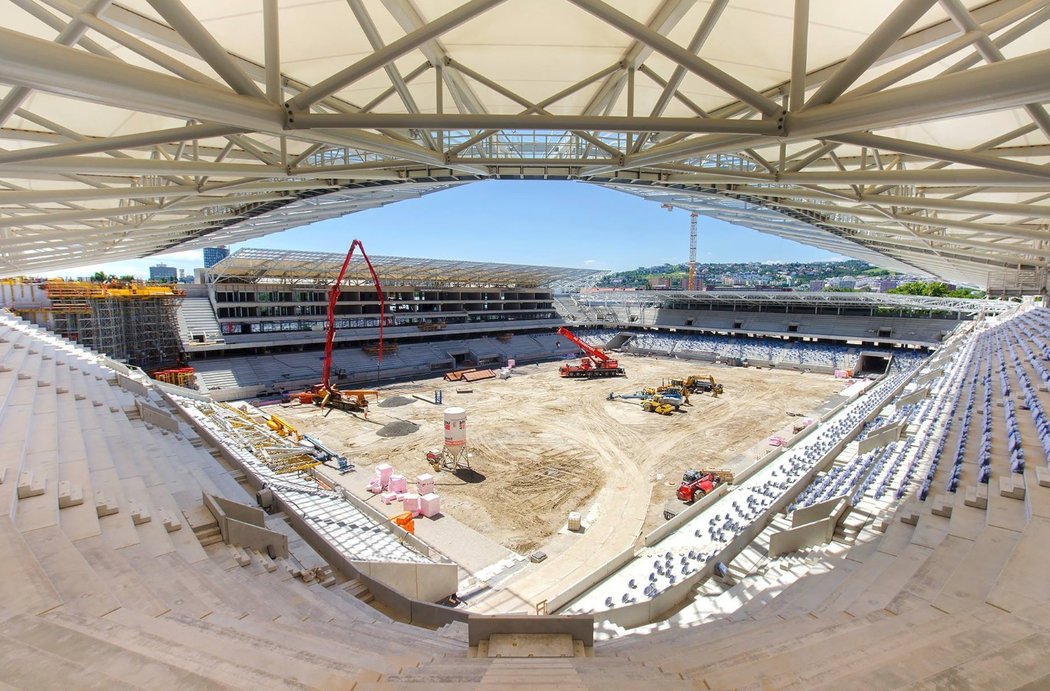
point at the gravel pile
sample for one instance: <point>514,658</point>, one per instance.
<point>399,428</point>
<point>395,402</point>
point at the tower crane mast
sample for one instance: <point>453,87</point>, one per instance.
<point>690,283</point>
<point>692,250</point>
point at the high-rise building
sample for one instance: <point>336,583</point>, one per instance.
<point>214,255</point>
<point>163,272</point>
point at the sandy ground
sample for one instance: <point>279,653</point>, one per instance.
<point>544,446</point>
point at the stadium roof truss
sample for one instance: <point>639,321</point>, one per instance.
<point>726,299</point>
<point>911,134</point>
<point>284,266</point>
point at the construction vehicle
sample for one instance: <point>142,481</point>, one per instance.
<point>596,364</point>
<point>699,383</point>
<point>654,405</point>
<point>325,394</point>
<point>350,400</point>
<point>325,455</point>
<point>654,400</point>
<point>698,483</point>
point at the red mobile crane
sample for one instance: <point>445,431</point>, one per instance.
<point>326,394</point>
<point>598,364</point>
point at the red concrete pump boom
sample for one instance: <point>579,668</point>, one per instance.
<point>333,297</point>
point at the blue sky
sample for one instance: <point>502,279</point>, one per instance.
<point>526,222</point>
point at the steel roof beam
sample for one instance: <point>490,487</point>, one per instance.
<point>366,24</point>
<point>908,44</point>
<point>31,62</point>
<point>707,25</point>
<point>676,53</point>
<point>991,54</point>
<point>994,87</point>
<point>665,18</point>
<point>128,141</point>
<point>391,52</point>
<point>205,45</point>
<point>68,36</point>
<point>602,123</point>
<point>940,153</point>
<point>406,14</point>
<point>874,46</point>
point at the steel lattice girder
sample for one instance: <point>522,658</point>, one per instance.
<point>924,146</point>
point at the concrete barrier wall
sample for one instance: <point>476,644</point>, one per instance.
<point>247,529</point>
<point>118,367</point>
<point>166,389</point>
<point>806,535</point>
<point>881,437</point>
<point>438,577</point>
<point>815,512</point>
<point>423,582</point>
<point>817,532</point>
<point>254,537</point>
<point>928,377</point>
<point>590,580</point>
<point>915,396</point>
<point>157,417</point>
<point>685,516</point>
<point>128,384</point>
<point>758,465</point>
<point>481,627</point>
<point>251,515</point>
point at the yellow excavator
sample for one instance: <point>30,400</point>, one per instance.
<point>699,383</point>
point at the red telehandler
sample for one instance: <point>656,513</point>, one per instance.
<point>325,394</point>
<point>597,364</point>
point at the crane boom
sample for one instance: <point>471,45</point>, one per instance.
<point>593,352</point>
<point>333,297</point>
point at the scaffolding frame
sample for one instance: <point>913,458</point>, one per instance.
<point>130,322</point>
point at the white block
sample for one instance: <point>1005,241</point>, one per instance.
<point>411,503</point>
<point>398,483</point>
<point>430,505</point>
<point>387,497</point>
<point>383,472</point>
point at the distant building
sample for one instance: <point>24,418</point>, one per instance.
<point>163,272</point>
<point>214,255</point>
<point>659,284</point>
<point>888,284</point>
<point>843,282</point>
<point>817,285</point>
<point>198,275</point>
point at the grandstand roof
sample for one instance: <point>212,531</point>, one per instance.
<point>260,264</point>
<point>912,134</point>
<point>809,299</point>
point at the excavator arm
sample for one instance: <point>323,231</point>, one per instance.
<point>593,352</point>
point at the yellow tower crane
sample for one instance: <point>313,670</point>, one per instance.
<point>690,283</point>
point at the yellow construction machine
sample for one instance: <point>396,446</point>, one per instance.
<point>656,405</point>
<point>699,383</point>
<point>282,428</point>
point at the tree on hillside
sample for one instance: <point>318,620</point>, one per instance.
<point>935,289</point>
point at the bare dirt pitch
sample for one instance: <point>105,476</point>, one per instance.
<point>546,445</point>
